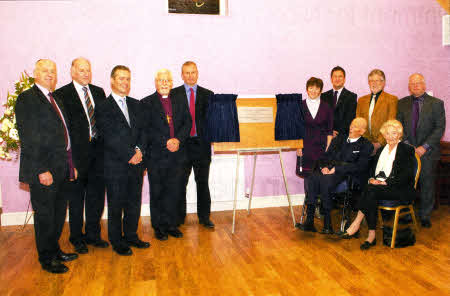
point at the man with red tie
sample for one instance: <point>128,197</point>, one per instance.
<point>198,150</point>
<point>46,163</point>
<point>166,128</point>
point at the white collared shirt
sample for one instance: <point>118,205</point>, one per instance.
<point>118,98</point>
<point>386,161</point>
<point>45,92</point>
<point>338,94</point>
<point>80,91</point>
<point>350,140</point>
<point>313,106</point>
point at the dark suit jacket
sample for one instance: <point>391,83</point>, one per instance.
<point>385,109</point>
<point>157,131</point>
<point>120,139</point>
<point>201,108</point>
<point>403,170</point>
<point>79,125</point>
<point>431,125</point>
<point>41,132</point>
<point>345,110</point>
<point>349,159</point>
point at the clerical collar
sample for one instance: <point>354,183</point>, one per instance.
<point>350,140</point>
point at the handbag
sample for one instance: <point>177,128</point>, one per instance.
<point>405,237</point>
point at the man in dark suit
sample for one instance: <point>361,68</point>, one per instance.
<point>119,123</point>
<point>167,126</point>
<point>198,151</point>
<point>346,156</point>
<point>80,99</point>
<point>45,163</point>
<point>423,120</point>
<point>341,100</point>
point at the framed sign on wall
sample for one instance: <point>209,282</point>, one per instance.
<point>214,7</point>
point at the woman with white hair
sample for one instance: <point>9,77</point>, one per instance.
<point>392,178</point>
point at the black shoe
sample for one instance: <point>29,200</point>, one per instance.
<point>328,230</point>
<point>426,223</point>
<point>138,244</point>
<point>307,227</point>
<point>175,232</point>
<point>345,235</point>
<point>161,235</point>
<point>64,257</point>
<point>98,243</point>
<point>122,250</point>
<point>54,266</point>
<point>80,247</point>
<point>207,224</point>
<point>367,245</point>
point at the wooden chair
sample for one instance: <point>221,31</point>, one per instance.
<point>398,208</point>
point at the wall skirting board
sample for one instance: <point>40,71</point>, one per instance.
<point>18,218</point>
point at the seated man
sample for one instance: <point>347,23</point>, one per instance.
<point>346,156</point>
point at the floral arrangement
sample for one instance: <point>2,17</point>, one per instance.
<point>9,137</point>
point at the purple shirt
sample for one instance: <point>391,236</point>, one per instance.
<point>167,106</point>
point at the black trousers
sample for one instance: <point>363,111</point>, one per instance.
<point>323,185</point>
<point>368,203</point>
<point>49,205</point>
<point>87,194</point>
<point>165,193</point>
<point>199,159</point>
<point>427,186</point>
<point>124,198</point>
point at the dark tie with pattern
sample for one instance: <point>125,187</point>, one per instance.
<point>90,109</point>
<point>192,110</point>
<point>335,98</point>
<point>415,116</point>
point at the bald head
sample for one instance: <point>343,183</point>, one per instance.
<point>81,71</point>
<point>358,127</point>
<point>417,84</point>
<point>45,74</point>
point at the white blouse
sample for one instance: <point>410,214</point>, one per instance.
<point>313,106</point>
<point>385,161</point>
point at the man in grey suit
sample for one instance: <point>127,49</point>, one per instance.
<point>423,120</point>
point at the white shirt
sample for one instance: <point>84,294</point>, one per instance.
<point>338,94</point>
<point>386,160</point>
<point>80,91</point>
<point>313,106</point>
<point>350,140</point>
<point>118,98</point>
<point>45,92</point>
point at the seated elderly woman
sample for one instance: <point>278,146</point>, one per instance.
<point>346,156</point>
<point>391,178</point>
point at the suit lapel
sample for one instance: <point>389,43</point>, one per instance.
<point>379,104</point>
<point>426,109</point>
<point>118,111</point>
<point>341,98</point>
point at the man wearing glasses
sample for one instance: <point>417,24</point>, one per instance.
<point>166,128</point>
<point>376,107</point>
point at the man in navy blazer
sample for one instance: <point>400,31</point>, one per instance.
<point>119,122</point>
<point>346,156</point>
<point>167,126</point>
<point>46,162</point>
<point>198,150</point>
<point>423,120</point>
<point>341,100</point>
<point>80,99</point>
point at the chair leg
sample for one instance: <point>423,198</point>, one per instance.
<point>380,219</point>
<point>413,216</point>
<point>394,229</point>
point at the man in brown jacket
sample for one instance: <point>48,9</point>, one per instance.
<point>376,107</point>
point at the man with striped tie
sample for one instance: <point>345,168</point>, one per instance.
<point>80,98</point>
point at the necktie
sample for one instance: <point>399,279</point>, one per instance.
<point>335,98</point>
<point>90,109</point>
<point>371,107</point>
<point>52,101</point>
<point>415,116</point>
<point>123,106</point>
<point>192,110</point>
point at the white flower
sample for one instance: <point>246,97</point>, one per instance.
<point>1,141</point>
<point>8,111</point>
<point>13,134</point>
<point>5,126</point>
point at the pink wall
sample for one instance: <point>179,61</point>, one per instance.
<point>262,47</point>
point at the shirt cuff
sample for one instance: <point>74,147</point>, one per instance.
<point>426,146</point>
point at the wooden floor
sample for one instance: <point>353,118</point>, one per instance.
<point>266,256</point>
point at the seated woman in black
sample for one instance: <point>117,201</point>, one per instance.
<point>392,178</point>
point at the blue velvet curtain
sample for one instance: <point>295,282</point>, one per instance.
<point>289,122</point>
<point>222,124</point>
